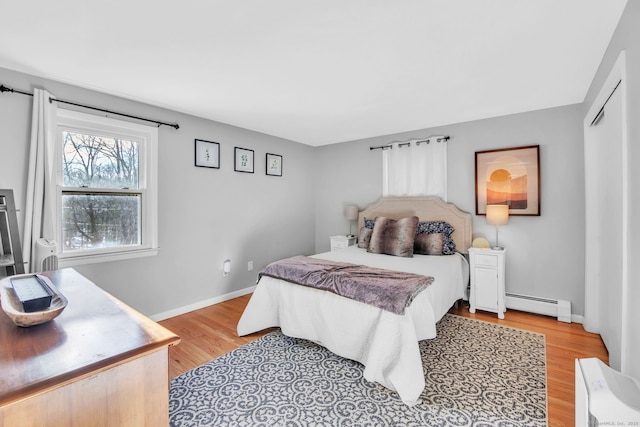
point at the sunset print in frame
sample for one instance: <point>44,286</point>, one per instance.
<point>509,176</point>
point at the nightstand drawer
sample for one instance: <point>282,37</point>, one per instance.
<point>342,242</point>
<point>339,244</point>
<point>486,260</point>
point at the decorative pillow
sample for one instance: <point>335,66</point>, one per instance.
<point>393,237</point>
<point>369,223</point>
<point>428,244</point>
<point>364,237</point>
<point>431,227</point>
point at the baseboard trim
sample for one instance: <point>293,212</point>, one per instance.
<point>577,318</point>
<point>561,309</point>
<point>201,304</point>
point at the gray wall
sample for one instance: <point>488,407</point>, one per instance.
<point>209,215</point>
<point>545,254</point>
<point>205,215</point>
<point>627,37</point>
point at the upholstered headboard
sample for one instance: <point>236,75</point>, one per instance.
<point>429,208</point>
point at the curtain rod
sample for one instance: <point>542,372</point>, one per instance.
<point>383,147</point>
<point>437,138</point>
<point>4,88</point>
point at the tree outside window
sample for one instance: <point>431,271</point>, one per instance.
<point>101,201</point>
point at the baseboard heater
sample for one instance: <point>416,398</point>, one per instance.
<point>549,307</point>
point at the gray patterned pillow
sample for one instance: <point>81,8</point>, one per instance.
<point>364,237</point>
<point>430,227</point>
<point>428,244</point>
<point>393,237</point>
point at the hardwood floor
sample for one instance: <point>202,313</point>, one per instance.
<point>211,332</point>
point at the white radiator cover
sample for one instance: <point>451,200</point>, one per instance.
<point>46,256</point>
<point>548,307</point>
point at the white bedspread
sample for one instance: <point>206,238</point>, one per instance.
<point>384,342</point>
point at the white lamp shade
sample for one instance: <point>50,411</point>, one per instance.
<point>351,212</point>
<point>497,214</point>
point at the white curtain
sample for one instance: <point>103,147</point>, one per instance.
<point>40,202</point>
<point>415,170</point>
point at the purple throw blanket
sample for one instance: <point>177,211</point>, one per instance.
<point>386,289</point>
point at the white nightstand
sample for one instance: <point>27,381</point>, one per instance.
<point>341,242</point>
<point>487,280</point>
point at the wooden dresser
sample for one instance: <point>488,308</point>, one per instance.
<point>99,363</point>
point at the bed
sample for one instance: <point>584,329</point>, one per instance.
<point>384,342</point>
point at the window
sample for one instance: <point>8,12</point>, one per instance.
<point>106,189</point>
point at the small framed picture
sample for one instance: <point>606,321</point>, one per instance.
<point>274,164</point>
<point>243,158</point>
<point>207,154</point>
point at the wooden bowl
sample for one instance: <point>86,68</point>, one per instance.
<point>13,308</point>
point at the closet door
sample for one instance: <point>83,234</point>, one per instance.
<point>606,217</point>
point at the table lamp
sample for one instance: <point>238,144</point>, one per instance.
<point>497,215</point>
<point>351,214</point>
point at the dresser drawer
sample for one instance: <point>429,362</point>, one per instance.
<point>486,260</point>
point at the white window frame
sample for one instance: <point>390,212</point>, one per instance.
<point>147,136</point>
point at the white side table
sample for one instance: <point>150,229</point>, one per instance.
<point>341,242</point>
<point>487,269</point>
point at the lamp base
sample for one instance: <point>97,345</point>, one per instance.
<point>497,246</point>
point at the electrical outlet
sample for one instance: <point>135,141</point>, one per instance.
<point>250,266</point>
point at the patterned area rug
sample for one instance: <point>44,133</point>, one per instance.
<point>477,374</point>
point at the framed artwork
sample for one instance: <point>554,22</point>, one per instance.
<point>274,164</point>
<point>509,176</point>
<point>207,154</point>
<point>243,159</point>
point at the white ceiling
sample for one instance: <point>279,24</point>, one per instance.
<point>320,71</point>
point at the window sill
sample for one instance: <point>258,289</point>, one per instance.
<point>106,257</point>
